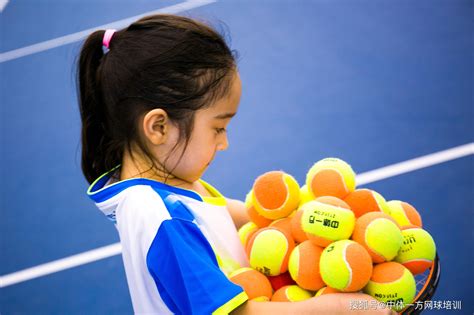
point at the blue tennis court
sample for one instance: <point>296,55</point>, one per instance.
<point>376,83</point>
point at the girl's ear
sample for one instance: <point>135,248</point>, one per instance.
<point>156,126</point>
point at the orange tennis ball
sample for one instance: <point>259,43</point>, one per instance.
<point>291,293</point>
<point>404,213</point>
<point>255,284</point>
<point>254,216</point>
<point>304,266</point>
<point>364,200</point>
<point>284,224</point>
<point>257,218</point>
<point>275,195</point>
<point>346,266</point>
<point>379,234</point>
<point>296,229</point>
<point>326,290</point>
<point>327,219</point>
<point>330,177</point>
<point>269,250</point>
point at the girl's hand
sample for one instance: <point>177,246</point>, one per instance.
<point>351,303</point>
<point>238,212</point>
<point>334,304</point>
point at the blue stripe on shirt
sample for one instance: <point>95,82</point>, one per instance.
<point>186,271</point>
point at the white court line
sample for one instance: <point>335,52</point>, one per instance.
<point>71,38</point>
<point>61,264</point>
<point>115,249</point>
<point>3,4</point>
<point>415,164</point>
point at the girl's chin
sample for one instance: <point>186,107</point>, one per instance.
<point>198,175</point>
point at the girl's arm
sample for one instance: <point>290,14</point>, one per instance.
<point>334,304</point>
<point>238,212</point>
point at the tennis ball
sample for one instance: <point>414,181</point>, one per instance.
<point>254,216</point>
<point>275,195</point>
<point>296,228</point>
<point>327,219</point>
<point>404,213</point>
<point>284,224</point>
<point>379,234</point>
<point>346,266</point>
<point>248,199</point>
<point>326,290</point>
<point>330,177</point>
<point>305,195</point>
<point>255,284</point>
<point>281,280</point>
<point>291,293</point>
<point>269,250</point>
<point>304,266</point>
<point>418,250</point>
<point>364,200</point>
<point>246,231</point>
<point>392,284</point>
<point>258,219</point>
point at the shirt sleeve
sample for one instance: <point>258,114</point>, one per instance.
<point>186,273</point>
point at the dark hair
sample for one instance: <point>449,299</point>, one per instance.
<point>160,61</point>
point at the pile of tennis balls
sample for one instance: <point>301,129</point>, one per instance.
<point>330,237</point>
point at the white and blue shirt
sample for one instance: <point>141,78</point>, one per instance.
<point>177,246</point>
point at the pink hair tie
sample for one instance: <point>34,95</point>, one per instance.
<point>107,38</point>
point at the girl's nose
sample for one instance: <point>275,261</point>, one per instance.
<point>223,144</point>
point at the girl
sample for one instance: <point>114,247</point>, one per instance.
<point>155,101</point>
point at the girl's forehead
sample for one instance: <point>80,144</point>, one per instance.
<point>227,106</point>
<point>235,92</point>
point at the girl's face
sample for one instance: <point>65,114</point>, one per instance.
<point>208,136</point>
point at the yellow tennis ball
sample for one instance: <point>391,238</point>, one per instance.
<point>327,219</point>
<point>248,199</point>
<point>291,293</point>
<point>346,266</point>
<point>305,195</point>
<point>418,250</point>
<point>255,284</point>
<point>404,213</point>
<point>379,234</point>
<point>246,231</point>
<point>392,284</point>
<point>331,177</point>
<point>269,250</point>
<point>275,195</point>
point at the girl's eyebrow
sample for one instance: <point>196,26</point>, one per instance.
<point>224,116</point>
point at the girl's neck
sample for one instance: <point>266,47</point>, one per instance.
<point>137,168</point>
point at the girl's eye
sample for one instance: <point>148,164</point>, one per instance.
<point>220,130</point>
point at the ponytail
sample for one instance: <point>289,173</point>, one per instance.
<point>94,136</point>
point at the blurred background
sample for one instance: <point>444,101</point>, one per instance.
<point>375,83</point>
